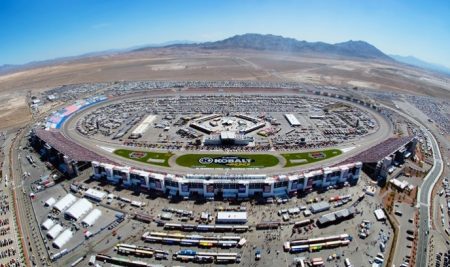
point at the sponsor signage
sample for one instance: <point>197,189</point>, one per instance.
<point>231,161</point>
<point>210,189</point>
<point>242,188</point>
<point>294,185</point>
<point>184,188</point>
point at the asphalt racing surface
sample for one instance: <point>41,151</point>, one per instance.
<point>68,130</point>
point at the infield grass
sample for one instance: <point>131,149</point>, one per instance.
<point>154,158</point>
<point>297,159</point>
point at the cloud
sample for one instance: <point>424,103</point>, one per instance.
<point>100,26</point>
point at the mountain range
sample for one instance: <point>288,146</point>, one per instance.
<point>267,42</point>
<point>410,60</point>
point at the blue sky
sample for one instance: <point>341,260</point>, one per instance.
<point>44,29</point>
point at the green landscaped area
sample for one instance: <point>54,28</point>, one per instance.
<point>302,158</point>
<point>227,161</point>
<point>153,158</point>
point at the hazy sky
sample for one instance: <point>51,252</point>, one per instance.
<point>43,29</point>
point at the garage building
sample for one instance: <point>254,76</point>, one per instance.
<point>319,207</point>
<point>94,194</point>
<point>379,214</point>
<point>232,217</point>
<point>293,121</point>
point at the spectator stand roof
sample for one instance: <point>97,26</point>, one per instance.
<point>382,150</point>
<point>70,149</point>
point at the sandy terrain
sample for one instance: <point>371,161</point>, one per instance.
<point>184,64</point>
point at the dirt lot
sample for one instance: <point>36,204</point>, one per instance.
<point>188,64</point>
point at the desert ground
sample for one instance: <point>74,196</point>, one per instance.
<point>196,64</point>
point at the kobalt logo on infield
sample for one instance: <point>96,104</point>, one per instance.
<point>206,160</point>
<point>234,161</point>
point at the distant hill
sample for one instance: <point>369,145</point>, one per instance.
<point>410,60</point>
<point>9,68</point>
<point>262,42</point>
<point>269,42</point>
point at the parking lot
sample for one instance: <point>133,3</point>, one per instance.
<point>269,243</point>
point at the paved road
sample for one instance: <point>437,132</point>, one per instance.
<point>5,185</point>
<point>425,201</point>
<point>33,243</point>
<point>424,193</point>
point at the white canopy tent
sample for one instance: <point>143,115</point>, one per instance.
<point>63,239</point>
<point>54,231</point>
<point>65,202</point>
<point>81,207</point>
<point>91,218</point>
<point>47,224</point>
<point>50,202</point>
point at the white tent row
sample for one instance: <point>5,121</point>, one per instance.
<point>54,231</point>
<point>65,202</point>
<point>63,239</point>
<point>47,224</point>
<point>90,219</point>
<point>81,207</point>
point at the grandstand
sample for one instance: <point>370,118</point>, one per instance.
<point>230,186</point>
<point>59,117</point>
<point>67,156</point>
<point>378,159</point>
